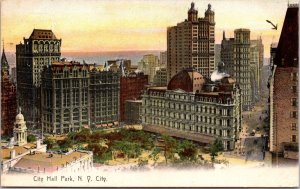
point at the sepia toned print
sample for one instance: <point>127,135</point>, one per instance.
<point>149,93</point>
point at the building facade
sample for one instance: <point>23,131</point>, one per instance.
<point>75,95</point>
<point>149,65</point>
<point>160,78</point>
<point>242,72</point>
<point>191,44</point>
<point>284,128</point>
<point>104,91</point>
<point>163,59</point>
<point>8,99</point>
<point>131,87</point>
<point>257,58</point>
<point>193,108</point>
<point>65,97</point>
<point>40,49</point>
<point>227,54</point>
<point>133,111</point>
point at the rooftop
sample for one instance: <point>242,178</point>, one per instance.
<point>188,80</point>
<point>42,34</point>
<point>5,152</point>
<point>42,161</point>
<point>288,46</point>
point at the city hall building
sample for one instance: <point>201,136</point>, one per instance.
<point>194,108</point>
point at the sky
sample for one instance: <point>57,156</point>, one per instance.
<point>125,25</point>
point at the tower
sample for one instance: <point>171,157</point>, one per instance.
<point>4,64</point>
<point>40,49</point>
<point>191,44</point>
<point>20,130</point>
<point>242,71</point>
<point>8,99</point>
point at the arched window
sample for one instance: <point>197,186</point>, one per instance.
<point>41,47</point>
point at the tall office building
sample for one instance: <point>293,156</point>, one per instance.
<point>65,97</point>
<point>74,96</point>
<point>227,56</point>
<point>191,44</point>
<point>284,128</point>
<point>217,53</point>
<point>242,72</point>
<point>104,91</point>
<point>257,59</point>
<point>8,99</point>
<point>40,49</point>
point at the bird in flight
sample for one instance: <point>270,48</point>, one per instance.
<point>274,27</point>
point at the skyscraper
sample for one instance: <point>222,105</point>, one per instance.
<point>65,97</point>
<point>227,57</point>
<point>41,48</point>
<point>242,72</point>
<point>257,61</point>
<point>191,44</point>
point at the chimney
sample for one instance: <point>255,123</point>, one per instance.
<point>12,154</point>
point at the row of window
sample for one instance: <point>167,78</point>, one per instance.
<point>46,48</point>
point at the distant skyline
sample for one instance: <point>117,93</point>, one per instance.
<point>112,25</point>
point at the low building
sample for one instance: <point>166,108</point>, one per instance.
<point>133,111</point>
<point>40,162</point>
<point>194,108</point>
<point>131,87</point>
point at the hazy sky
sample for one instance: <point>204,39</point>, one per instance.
<point>114,25</point>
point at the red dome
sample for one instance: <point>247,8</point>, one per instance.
<point>188,80</point>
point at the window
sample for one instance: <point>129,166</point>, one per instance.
<point>294,76</point>
<point>294,114</point>
<point>294,89</point>
<point>294,138</point>
<point>294,102</point>
<point>294,127</point>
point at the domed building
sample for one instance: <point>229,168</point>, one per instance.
<point>188,80</point>
<point>20,130</point>
<point>195,108</point>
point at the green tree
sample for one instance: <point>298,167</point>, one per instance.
<point>83,136</point>
<point>169,147</point>
<point>66,144</point>
<point>50,143</point>
<point>130,149</point>
<point>31,138</point>
<point>216,147</point>
<point>187,150</point>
